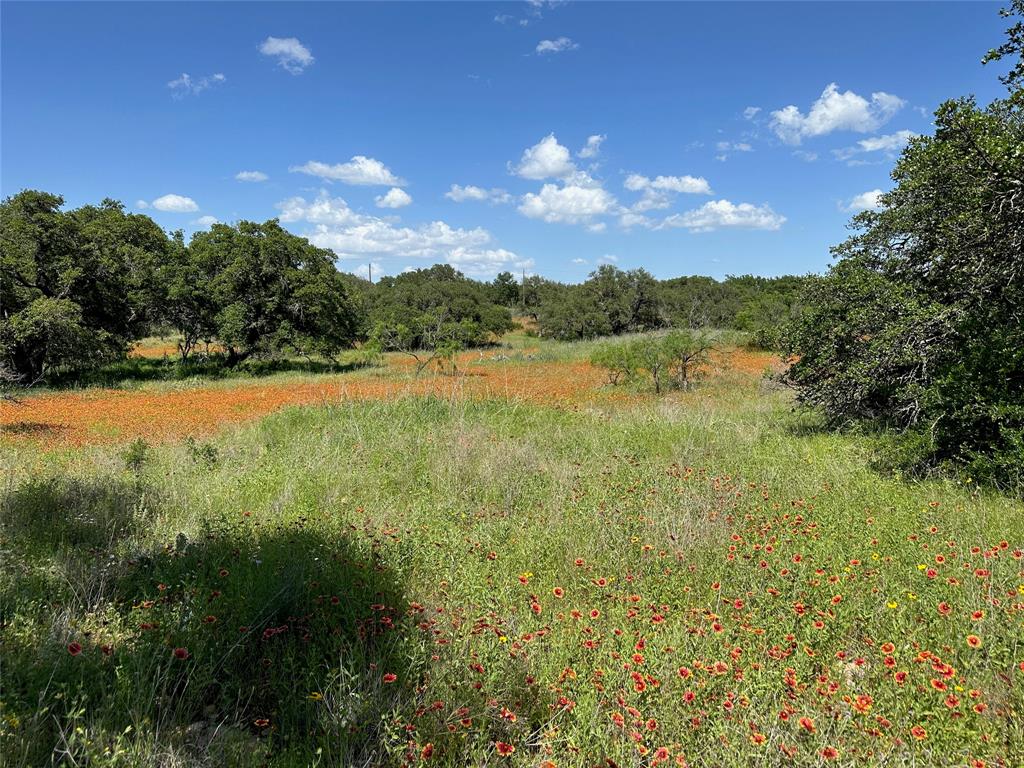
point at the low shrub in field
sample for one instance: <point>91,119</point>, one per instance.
<point>672,360</point>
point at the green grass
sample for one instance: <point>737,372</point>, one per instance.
<point>414,539</point>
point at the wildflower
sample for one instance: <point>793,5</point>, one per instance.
<point>918,732</point>
<point>389,677</point>
<point>427,752</point>
<point>316,696</point>
<point>74,648</point>
<point>558,592</point>
<point>974,641</point>
<point>261,722</point>
<point>807,724</point>
<point>180,653</point>
<point>504,749</point>
<point>830,753</point>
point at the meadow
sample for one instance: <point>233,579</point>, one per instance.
<point>515,565</point>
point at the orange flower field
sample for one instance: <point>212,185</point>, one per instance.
<point>78,418</point>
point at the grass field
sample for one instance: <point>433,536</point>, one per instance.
<point>517,566</point>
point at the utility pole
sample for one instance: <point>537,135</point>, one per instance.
<point>369,271</point>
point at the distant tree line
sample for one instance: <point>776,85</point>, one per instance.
<point>80,286</point>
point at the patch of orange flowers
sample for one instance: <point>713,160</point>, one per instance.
<point>114,416</point>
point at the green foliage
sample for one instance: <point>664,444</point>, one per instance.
<point>672,359</point>
<point>75,286</point>
<point>137,455</point>
<point>268,292</point>
<point>919,324</point>
<point>421,309</point>
<point>613,302</point>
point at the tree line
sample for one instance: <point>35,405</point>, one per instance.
<point>80,286</point>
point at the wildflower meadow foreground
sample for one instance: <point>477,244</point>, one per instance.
<point>485,578</point>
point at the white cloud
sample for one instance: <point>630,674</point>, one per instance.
<point>807,157</point>
<point>186,85</point>
<point>206,221</point>
<point>579,261</point>
<point>835,111</point>
<point>593,146</point>
<point>719,214</point>
<point>693,185</point>
<point>733,146</point>
<point>395,198</point>
<point>608,258</point>
<point>751,112</point>
<point>141,204</point>
<point>354,235</point>
<point>175,204</point>
<point>569,204</point>
<point>460,194</point>
<point>865,201</point>
<point>251,176</point>
<point>545,159</point>
<point>890,144</point>
<point>629,219</point>
<point>291,55</point>
<point>359,170</point>
<point>485,262</point>
<point>557,45</point>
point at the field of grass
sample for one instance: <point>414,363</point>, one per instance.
<point>513,567</point>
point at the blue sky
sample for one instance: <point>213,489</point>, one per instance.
<point>686,138</point>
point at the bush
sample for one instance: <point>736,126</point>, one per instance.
<point>917,327</point>
<point>672,360</point>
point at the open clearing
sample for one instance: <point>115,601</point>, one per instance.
<point>162,412</point>
<point>517,566</point>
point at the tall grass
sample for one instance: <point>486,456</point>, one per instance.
<point>396,569</point>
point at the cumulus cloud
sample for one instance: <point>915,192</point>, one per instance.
<point>355,235</point>
<point>186,85</point>
<point>865,201</point>
<point>722,214</point>
<point>630,219</point>
<point>395,198</point>
<point>558,45</point>
<point>835,111</point>
<point>608,258</point>
<point>568,204</point>
<point>175,204</point>
<point>751,112</point>
<point>579,261</point>
<point>206,221</point>
<point>545,159</point>
<point>486,262</point>
<point>360,170</point>
<point>693,185</point>
<point>657,194</point>
<point>593,147</point>
<point>461,194</point>
<point>291,55</point>
<point>890,144</point>
<point>251,176</point>
<point>141,204</point>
